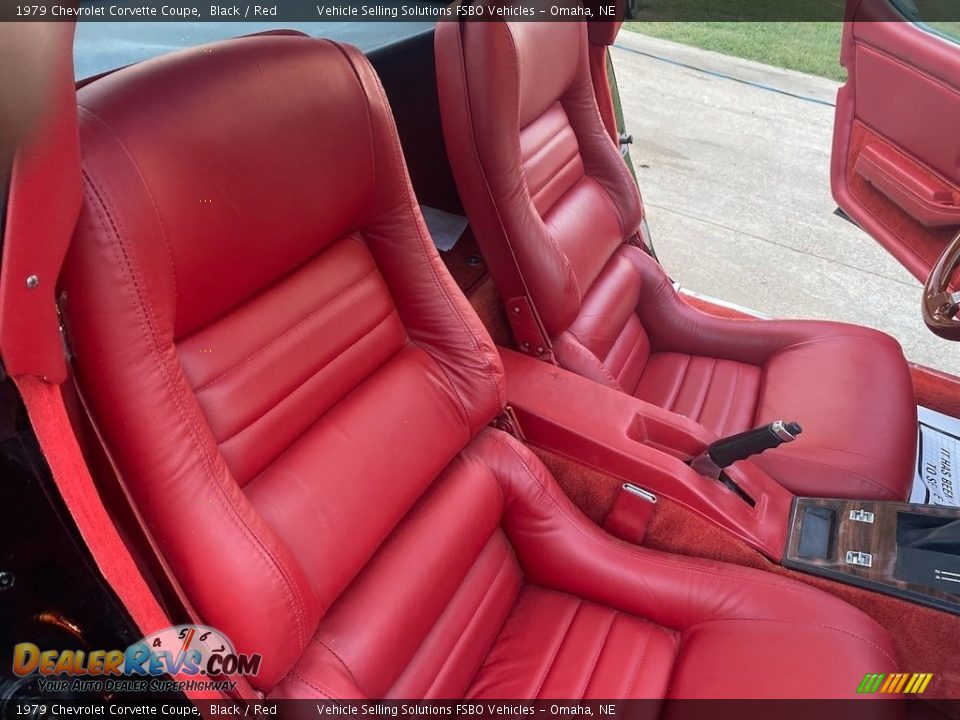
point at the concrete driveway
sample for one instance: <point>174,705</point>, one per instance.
<point>733,159</point>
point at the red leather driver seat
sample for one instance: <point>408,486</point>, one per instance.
<point>542,182</point>
<point>298,397</point>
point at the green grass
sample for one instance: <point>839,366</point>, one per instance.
<point>949,29</point>
<point>810,47</point>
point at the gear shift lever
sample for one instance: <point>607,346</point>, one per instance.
<point>726,451</point>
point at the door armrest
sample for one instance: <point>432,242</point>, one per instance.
<point>928,199</point>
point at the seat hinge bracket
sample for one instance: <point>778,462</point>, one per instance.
<point>529,333</point>
<point>508,423</point>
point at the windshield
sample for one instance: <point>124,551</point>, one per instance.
<point>102,46</point>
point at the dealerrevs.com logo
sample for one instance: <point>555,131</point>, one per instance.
<point>200,653</point>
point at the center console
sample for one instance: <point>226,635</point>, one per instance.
<point>646,446</point>
<point>909,551</point>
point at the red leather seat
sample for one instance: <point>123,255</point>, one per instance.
<point>542,182</point>
<point>298,397</point>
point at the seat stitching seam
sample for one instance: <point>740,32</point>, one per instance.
<point>556,653</point>
<point>613,153</point>
<point>702,400</point>
<point>549,141</point>
<point>675,393</point>
<point>879,338</point>
<point>153,201</point>
<point>312,375</point>
<point>728,406</point>
<point>613,206</point>
<point>240,363</point>
<point>300,677</point>
<point>339,659</point>
<point>798,622</point>
<point>630,355</point>
<point>460,640</point>
<point>468,453</point>
<point>854,473</point>
<point>639,663</point>
<point>590,356</point>
<point>369,118</point>
<point>599,653</point>
<point>525,162</point>
<point>535,195</point>
<point>144,310</point>
<point>446,376</point>
<point>290,442</point>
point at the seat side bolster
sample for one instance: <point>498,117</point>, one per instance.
<point>436,314</point>
<point>675,325</point>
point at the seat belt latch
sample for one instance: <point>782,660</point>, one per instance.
<point>631,513</point>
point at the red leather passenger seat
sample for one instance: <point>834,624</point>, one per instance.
<point>298,397</point>
<point>542,182</point>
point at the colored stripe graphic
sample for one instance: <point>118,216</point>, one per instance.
<point>918,683</point>
<point>895,683</point>
<point>891,682</point>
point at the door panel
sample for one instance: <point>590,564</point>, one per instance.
<point>896,152</point>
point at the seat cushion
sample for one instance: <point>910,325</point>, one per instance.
<point>850,389</point>
<point>719,394</point>
<point>847,433</point>
<point>556,645</point>
<point>848,386</point>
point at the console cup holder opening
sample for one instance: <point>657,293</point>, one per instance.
<point>665,436</point>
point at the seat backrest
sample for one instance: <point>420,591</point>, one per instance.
<point>538,174</point>
<point>277,359</point>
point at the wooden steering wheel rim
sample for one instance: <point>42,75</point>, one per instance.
<point>941,306</point>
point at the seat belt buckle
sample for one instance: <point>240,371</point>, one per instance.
<point>631,513</point>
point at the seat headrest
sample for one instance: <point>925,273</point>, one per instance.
<point>549,55</point>
<point>249,156</point>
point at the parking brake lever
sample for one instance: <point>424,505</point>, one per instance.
<point>726,451</point>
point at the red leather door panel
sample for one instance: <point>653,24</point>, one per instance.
<point>896,151</point>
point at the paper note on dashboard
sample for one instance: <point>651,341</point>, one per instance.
<point>936,481</point>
